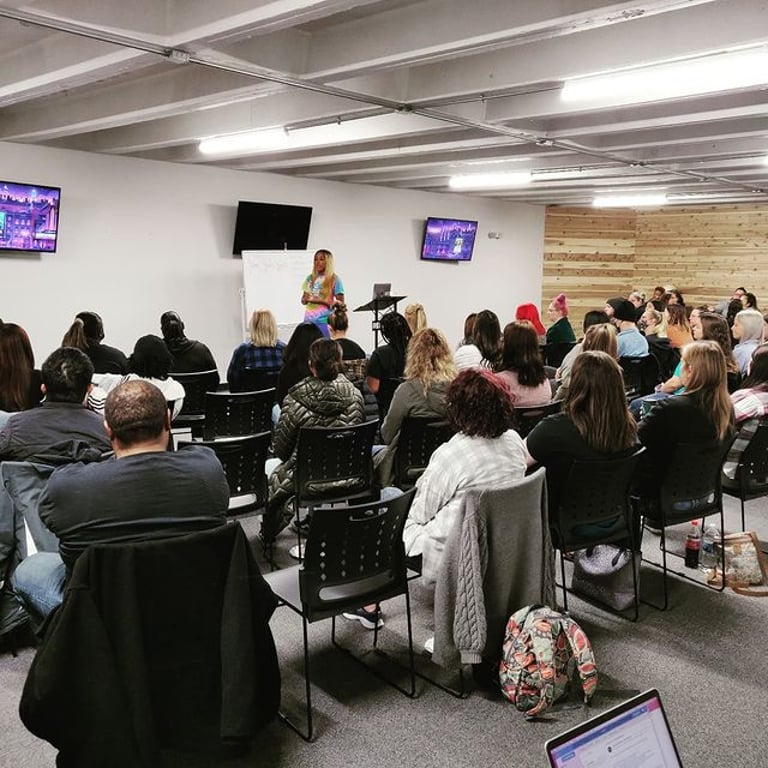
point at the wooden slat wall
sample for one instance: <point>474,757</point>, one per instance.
<point>705,252</point>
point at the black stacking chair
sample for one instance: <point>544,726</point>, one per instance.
<point>243,461</point>
<point>232,414</point>
<point>641,375</point>
<point>196,385</point>
<point>595,509</point>
<point>751,480</point>
<point>555,353</point>
<point>257,379</point>
<point>354,557</point>
<point>527,417</point>
<point>690,490</point>
<point>334,465</point>
<point>419,437</point>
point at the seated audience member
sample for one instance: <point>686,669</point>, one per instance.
<point>264,351</point>
<point>19,380</point>
<point>749,301</point>
<point>416,317</point>
<point>189,356</point>
<point>658,292</point>
<point>599,338</point>
<point>702,413</point>
<point>733,309</point>
<point>387,363</point>
<point>637,300</point>
<point>560,332</point>
<point>469,327</point>
<point>521,366</point>
<point>593,317</point>
<point>352,354</point>
<point>651,321</point>
<point>723,306</point>
<point>429,370</point>
<point>677,326</point>
<point>295,358</point>
<point>87,333</point>
<point>485,452</point>
<point>150,361</point>
<point>144,492</point>
<point>631,343</point>
<point>711,326</point>
<point>594,422</point>
<point>747,330</point>
<point>750,406</point>
<point>62,429</point>
<point>530,312</point>
<point>324,399</point>
<point>484,351</point>
<point>673,297</point>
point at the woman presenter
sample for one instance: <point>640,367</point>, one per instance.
<point>321,290</point>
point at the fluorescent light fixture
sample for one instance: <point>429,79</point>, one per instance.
<point>765,159</point>
<point>707,74</point>
<point>490,180</point>
<point>630,201</point>
<point>248,141</point>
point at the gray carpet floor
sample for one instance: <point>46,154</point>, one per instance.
<point>706,655</point>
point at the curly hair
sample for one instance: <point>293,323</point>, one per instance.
<point>479,404</point>
<point>429,358</point>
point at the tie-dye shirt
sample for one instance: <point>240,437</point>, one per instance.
<point>319,313</point>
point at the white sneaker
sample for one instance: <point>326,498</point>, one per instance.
<point>296,552</point>
<point>429,646</point>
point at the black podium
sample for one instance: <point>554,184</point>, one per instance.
<point>378,306</point>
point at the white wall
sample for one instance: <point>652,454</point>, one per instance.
<point>138,237</point>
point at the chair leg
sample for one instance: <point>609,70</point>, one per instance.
<point>562,577</point>
<point>309,735</point>
<point>743,517</point>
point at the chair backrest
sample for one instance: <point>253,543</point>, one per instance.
<point>334,463</point>
<point>231,414</point>
<point>354,555</point>
<point>25,481</point>
<point>243,460</point>
<point>691,485</point>
<point>256,379</point>
<point>597,491</point>
<point>641,375</point>
<point>195,387</point>
<point>419,436</point>
<point>527,417</point>
<point>555,353</point>
<point>752,470</point>
<point>385,394</point>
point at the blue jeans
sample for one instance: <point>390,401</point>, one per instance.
<point>39,582</point>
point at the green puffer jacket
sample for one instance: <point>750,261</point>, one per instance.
<point>310,403</point>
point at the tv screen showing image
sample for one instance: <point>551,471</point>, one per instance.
<point>271,227</point>
<point>448,239</point>
<point>29,217</point>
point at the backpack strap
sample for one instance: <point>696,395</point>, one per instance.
<point>543,648</point>
<point>582,652</point>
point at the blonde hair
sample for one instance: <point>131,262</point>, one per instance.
<point>429,358</point>
<point>329,277</point>
<point>416,317</point>
<point>707,382</point>
<point>601,338</point>
<point>263,328</point>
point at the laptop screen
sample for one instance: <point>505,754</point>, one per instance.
<point>381,289</point>
<point>634,734</point>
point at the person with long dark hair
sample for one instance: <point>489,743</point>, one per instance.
<point>484,452</point>
<point>388,361</point>
<point>19,380</point>
<point>594,421</point>
<point>87,334</point>
<point>485,349</point>
<point>521,366</point>
<point>295,358</point>
<point>321,289</point>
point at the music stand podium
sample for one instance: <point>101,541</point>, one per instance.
<point>378,305</point>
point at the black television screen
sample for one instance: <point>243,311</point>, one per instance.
<point>448,239</point>
<point>29,217</point>
<point>271,227</point>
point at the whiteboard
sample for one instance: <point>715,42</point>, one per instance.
<point>272,280</point>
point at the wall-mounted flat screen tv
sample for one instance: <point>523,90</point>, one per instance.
<point>29,217</point>
<point>448,239</point>
<point>271,227</point>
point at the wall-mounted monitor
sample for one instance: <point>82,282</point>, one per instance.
<point>29,217</point>
<point>271,227</point>
<point>448,239</point>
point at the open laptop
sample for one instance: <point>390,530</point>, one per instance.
<point>634,734</point>
<point>381,289</point>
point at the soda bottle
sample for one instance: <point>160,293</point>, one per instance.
<point>693,545</point>
<point>710,539</point>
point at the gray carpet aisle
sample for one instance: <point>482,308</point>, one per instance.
<point>706,654</point>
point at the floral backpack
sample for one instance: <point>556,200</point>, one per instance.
<point>542,651</point>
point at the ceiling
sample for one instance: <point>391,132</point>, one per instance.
<point>411,92</point>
